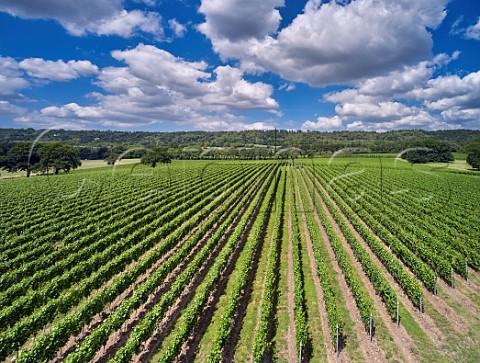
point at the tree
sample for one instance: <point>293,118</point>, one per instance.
<point>473,154</point>
<point>22,156</point>
<point>111,158</point>
<point>428,151</point>
<point>156,155</point>
<point>57,156</point>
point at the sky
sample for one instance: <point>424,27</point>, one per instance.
<point>168,65</point>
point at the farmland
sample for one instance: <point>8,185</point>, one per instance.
<point>347,259</point>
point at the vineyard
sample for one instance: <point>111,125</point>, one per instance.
<point>307,260</point>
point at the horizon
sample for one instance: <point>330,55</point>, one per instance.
<point>244,130</point>
<point>231,65</point>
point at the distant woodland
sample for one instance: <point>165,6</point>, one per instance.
<point>95,144</point>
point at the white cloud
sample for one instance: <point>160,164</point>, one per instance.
<point>156,87</point>
<point>178,29</point>
<point>146,2</point>
<point>411,98</point>
<point>383,111</point>
<point>287,87</point>
<point>225,125</point>
<point>71,110</point>
<point>456,28</point>
<point>15,76</point>
<point>101,17</point>
<point>469,117</point>
<point>240,19</point>
<point>126,23</point>
<point>162,69</point>
<point>11,79</point>
<point>232,91</point>
<point>420,120</point>
<point>6,108</point>
<point>449,91</point>
<point>57,70</point>
<point>473,31</point>
<point>396,84</point>
<point>329,43</point>
<point>323,124</point>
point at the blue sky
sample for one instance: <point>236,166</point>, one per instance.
<point>164,65</point>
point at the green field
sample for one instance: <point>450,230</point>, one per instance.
<point>245,261</point>
<point>90,164</point>
<point>86,164</point>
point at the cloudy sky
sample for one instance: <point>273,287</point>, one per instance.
<point>165,65</point>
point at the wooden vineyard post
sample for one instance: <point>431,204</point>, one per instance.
<point>336,343</point>
<point>300,354</point>
<point>452,282</point>
<point>398,313</point>
<point>435,287</point>
<point>421,304</point>
<point>371,326</point>
<point>381,182</point>
<point>466,270</point>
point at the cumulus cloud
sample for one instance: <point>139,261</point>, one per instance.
<point>421,120</point>
<point>457,99</point>
<point>178,29</point>
<point>101,17</point>
<point>162,69</point>
<point>323,124</point>
<point>240,19</point>
<point>383,111</point>
<point>468,117</point>
<point>11,79</point>
<point>8,109</point>
<point>126,23</point>
<point>154,86</point>
<point>411,98</point>
<point>57,70</point>
<point>473,31</point>
<point>226,125</point>
<point>232,91</point>
<point>451,91</point>
<point>15,76</point>
<point>329,43</point>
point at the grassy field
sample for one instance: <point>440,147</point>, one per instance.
<point>90,164</point>
<point>86,164</point>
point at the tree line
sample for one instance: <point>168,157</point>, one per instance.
<point>40,158</point>
<point>46,157</point>
<point>96,141</point>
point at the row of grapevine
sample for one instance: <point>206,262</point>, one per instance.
<point>360,295</point>
<point>299,306</point>
<point>243,269</point>
<point>443,239</point>
<point>373,272</point>
<point>330,298</point>
<point>445,247</point>
<point>149,323</point>
<point>418,267</point>
<point>267,312</point>
<point>35,243</point>
<point>193,311</point>
<point>122,224</point>
<point>95,305</point>
<point>410,285</point>
<point>57,212</point>
<point>51,292</point>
